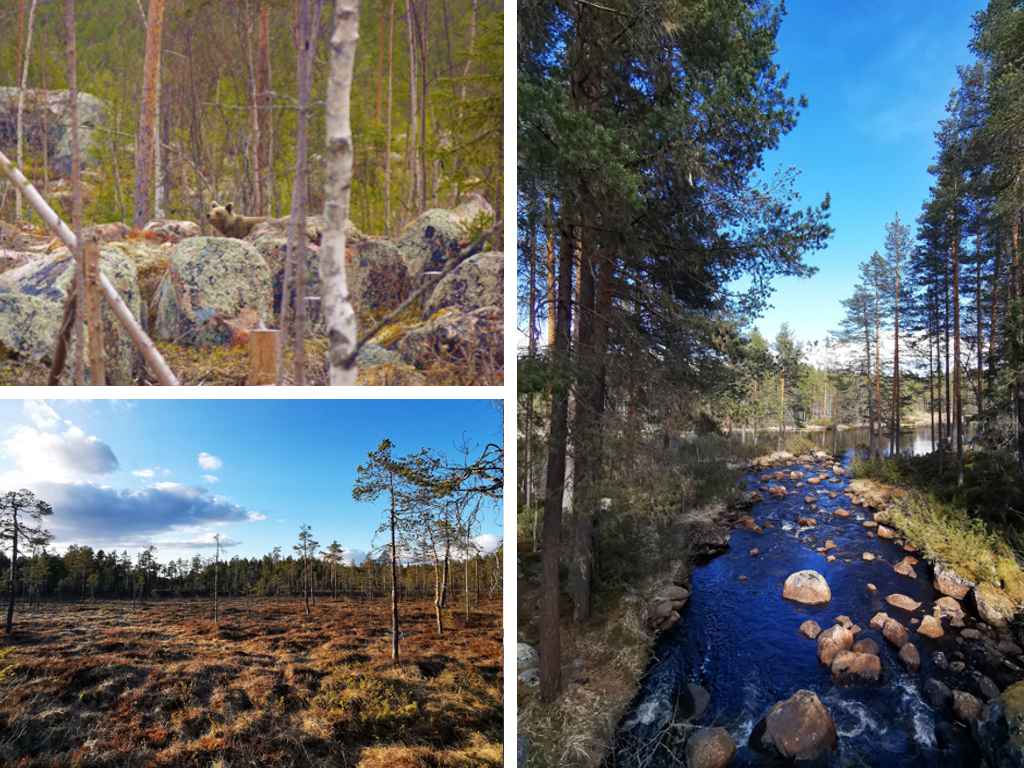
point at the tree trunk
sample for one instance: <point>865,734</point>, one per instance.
<point>876,438</point>
<point>394,580</point>
<point>550,639</point>
<point>21,104</point>
<point>11,578</point>
<point>959,413</point>
<point>388,118</point>
<point>339,314</point>
<point>266,114</point>
<point>896,398</point>
<point>412,144</point>
<point>147,118</point>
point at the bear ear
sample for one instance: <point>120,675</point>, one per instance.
<point>214,204</point>
<point>229,206</point>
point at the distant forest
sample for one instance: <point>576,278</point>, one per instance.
<point>426,103</point>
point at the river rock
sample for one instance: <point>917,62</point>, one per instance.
<point>806,522</point>
<point>895,633</point>
<point>754,552</point>
<point>937,694</point>
<point>833,640</point>
<point>868,556</point>
<point>902,602</point>
<point>905,568</point>
<point>799,728</point>
<point>475,283</point>
<point>840,512</point>
<point>999,732</point>
<point>51,109</point>
<point>710,748</point>
<point>699,699</point>
<point>931,627</point>
<point>32,300</point>
<point>434,237</point>
<point>866,645</point>
<point>808,587</point>
<point>209,283</point>
<point>871,587</point>
<point>852,667</point>
<point>810,499</point>
<point>810,629</point>
<point>777,491</point>
<point>948,582</point>
<point>966,707</point>
<point>829,544</point>
<point>1009,647</point>
<point>886,533</point>
<point>869,524</point>
<point>878,620</point>
<point>910,657</point>
<point>746,522</point>
<point>987,687</point>
<point>971,634</point>
<point>994,606</point>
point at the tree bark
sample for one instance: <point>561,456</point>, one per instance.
<point>412,144</point>
<point>959,413</point>
<point>144,143</point>
<point>339,314</point>
<point>11,579</point>
<point>266,114</point>
<point>21,103</point>
<point>388,119</point>
<point>394,560</point>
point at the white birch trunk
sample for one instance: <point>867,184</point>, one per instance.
<point>339,316</point>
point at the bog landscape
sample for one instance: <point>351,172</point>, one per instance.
<point>771,384</point>
<point>174,608</point>
<point>251,192</point>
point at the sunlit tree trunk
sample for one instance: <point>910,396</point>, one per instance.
<point>388,119</point>
<point>23,83</point>
<point>144,155</point>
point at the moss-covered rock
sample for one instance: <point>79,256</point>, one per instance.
<point>32,300</point>
<point>999,731</point>
<point>470,341</point>
<point>437,235</point>
<point>476,283</point>
<point>210,280</point>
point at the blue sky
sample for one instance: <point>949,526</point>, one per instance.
<point>174,472</point>
<point>877,76</point>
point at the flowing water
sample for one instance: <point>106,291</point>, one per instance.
<point>739,640</point>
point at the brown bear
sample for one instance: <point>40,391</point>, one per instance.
<point>228,224</point>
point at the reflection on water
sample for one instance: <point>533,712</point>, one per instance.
<point>913,442</point>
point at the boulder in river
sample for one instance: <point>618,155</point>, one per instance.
<point>948,608</point>
<point>902,602</point>
<point>867,556</point>
<point>949,582</point>
<point>799,728</point>
<point>895,633</point>
<point>966,707</point>
<point>866,645</point>
<point>852,667</point>
<point>746,522</point>
<point>931,627</point>
<point>810,629</point>
<point>840,512</point>
<point>808,587</point>
<point>994,606</point>
<point>999,731</point>
<point>885,532</point>
<point>878,620</point>
<point>832,641</point>
<point>710,748</point>
<point>209,283</point>
<point>777,491</point>
<point>938,694</point>
<point>910,657</point>
<point>906,568</point>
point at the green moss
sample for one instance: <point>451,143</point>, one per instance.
<point>362,705</point>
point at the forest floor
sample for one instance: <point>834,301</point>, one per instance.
<point>105,684</point>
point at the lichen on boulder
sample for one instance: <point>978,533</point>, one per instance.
<point>475,283</point>
<point>209,282</point>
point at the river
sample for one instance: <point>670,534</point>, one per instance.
<point>739,640</point>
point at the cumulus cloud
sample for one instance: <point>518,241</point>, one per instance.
<point>203,542</point>
<point>211,479</point>
<point>68,455</point>
<point>100,515</point>
<point>209,462</point>
<point>354,557</point>
<point>41,414</point>
<point>257,517</point>
<point>487,543</point>
<point>146,473</point>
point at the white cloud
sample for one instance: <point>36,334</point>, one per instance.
<point>487,543</point>
<point>354,557</point>
<point>257,516</point>
<point>209,462</point>
<point>211,479</point>
<point>54,456</point>
<point>147,473</point>
<point>41,414</point>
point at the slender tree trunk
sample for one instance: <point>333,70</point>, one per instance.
<point>550,639</point>
<point>956,363</point>
<point>412,144</point>
<point>338,313</point>
<point>394,575</point>
<point>20,129</point>
<point>11,576</point>
<point>896,395</point>
<point>266,114</point>
<point>979,391</point>
<point>388,118</point>
<point>876,439</point>
<point>423,26</point>
<point>147,120</point>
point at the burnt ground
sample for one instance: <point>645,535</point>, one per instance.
<point>105,684</point>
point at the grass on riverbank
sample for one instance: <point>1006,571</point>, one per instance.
<point>973,528</point>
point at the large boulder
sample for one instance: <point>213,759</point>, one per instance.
<point>808,587</point>
<point>999,732</point>
<point>475,283</point>
<point>799,728</point>
<point>949,582</point>
<point>948,608</point>
<point>270,239</point>
<point>46,120</point>
<point>379,280</point>
<point>32,300</point>
<point>710,748</point>
<point>435,236</point>
<point>931,627</point>
<point>210,283</point>
<point>902,602</point>
<point>171,230</point>
<point>852,667</point>
<point>994,606</point>
<point>472,341</point>
<point>832,641</point>
<point>895,633</point>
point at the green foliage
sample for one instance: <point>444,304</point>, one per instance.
<point>362,705</point>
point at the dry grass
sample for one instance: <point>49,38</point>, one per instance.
<point>102,684</point>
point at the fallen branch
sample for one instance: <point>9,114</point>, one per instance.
<point>143,343</point>
<point>470,250</point>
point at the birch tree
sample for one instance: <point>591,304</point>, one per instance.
<point>20,129</point>
<point>21,518</point>
<point>337,306</point>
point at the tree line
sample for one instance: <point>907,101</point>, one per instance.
<point>642,128</point>
<point>203,102</point>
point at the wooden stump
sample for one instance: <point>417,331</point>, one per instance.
<point>264,357</point>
